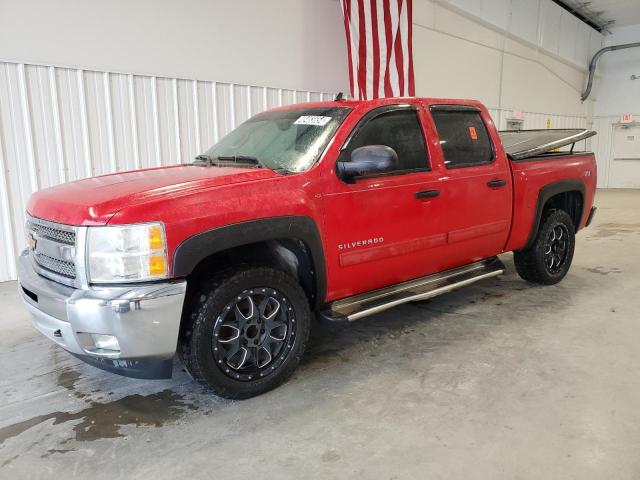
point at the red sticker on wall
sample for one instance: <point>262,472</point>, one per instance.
<point>472,133</point>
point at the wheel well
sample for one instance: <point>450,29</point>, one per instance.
<point>571,202</point>
<point>289,255</point>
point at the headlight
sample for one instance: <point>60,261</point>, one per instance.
<point>127,253</point>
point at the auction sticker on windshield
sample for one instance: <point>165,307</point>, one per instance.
<point>312,120</point>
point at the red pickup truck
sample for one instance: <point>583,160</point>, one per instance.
<point>336,209</point>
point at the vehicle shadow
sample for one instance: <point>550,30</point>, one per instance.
<point>470,312</point>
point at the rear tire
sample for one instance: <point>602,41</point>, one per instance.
<point>548,260</point>
<point>248,331</point>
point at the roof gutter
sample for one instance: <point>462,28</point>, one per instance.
<point>594,61</point>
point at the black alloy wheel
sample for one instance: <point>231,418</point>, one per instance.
<point>245,330</point>
<point>252,335</point>
<point>555,248</point>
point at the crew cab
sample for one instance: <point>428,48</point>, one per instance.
<point>333,210</point>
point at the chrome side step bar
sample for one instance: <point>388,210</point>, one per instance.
<point>358,306</point>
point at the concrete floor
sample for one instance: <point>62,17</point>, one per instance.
<point>502,380</point>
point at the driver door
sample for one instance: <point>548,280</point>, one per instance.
<point>387,228</point>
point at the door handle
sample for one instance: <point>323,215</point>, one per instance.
<point>496,183</point>
<point>427,194</point>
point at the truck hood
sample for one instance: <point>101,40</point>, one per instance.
<point>93,201</point>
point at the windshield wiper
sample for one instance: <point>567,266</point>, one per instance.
<point>281,171</point>
<point>202,158</point>
<point>239,159</point>
<point>226,160</point>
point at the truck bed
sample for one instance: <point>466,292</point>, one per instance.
<point>522,144</point>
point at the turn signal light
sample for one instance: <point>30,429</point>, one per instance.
<point>156,238</point>
<point>157,265</point>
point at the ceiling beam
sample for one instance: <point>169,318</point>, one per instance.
<point>582,11</point>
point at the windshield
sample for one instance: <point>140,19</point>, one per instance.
<point>289,140</point>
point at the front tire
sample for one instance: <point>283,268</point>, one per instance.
<point>249,329</point>
<point>548,260</point>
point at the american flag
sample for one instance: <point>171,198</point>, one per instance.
<point>379,47</point>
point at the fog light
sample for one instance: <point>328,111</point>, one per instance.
<point>105,342</point>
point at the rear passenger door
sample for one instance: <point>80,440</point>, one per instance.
<point>476,186</point>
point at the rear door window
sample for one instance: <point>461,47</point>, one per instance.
<point>463,136</point>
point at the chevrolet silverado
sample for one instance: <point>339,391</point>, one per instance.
<point>335,210</point>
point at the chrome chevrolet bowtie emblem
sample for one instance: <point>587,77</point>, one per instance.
<point>31,241</point>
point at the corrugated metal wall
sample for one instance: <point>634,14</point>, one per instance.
<point>61,124</point>
<point>533,120</point>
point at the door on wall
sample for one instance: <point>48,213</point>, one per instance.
<point>625,165</point>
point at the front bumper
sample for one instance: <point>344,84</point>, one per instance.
<point>145,320</point>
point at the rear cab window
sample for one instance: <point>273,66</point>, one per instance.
<point>464,138</point>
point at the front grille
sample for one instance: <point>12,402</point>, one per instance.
<point>56,234</point>
<point>61,267</point>
<point>54,249</point>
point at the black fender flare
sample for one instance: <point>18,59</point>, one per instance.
<point>545,194</point>
<point>204,244</point>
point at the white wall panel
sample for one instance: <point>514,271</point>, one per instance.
<point>583,44</point>
<point>596,42</point>
<point>524,19</point>
<point>568,35</point>
<point>465,69</point>
<point>541,23</point>
<point>474,7</point>
<point>63,124</point>
<point>550,26</point>
<point>287,43</point>
<point>496,12</point>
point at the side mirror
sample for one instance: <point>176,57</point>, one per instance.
<point>368,160</point>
